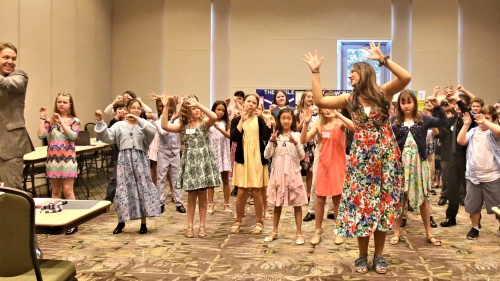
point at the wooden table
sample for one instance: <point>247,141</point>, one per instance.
<point>39,155</point>
<point>74,213</point>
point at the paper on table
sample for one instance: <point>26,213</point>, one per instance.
<point>39,202</point>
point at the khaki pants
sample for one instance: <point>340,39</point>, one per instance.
<point>11,172</point>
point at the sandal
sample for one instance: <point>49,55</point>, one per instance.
<point>202,233</point>
<point>235,228</point>
<point>299,239</point>
<point>227,211</point>
<point>210,210</point>
<point>258,228</point>
<point>361,264</point>
<point>379,264</point>
<point>271,237</point>
<point>394,240</point>
<point>434,241</point>
<point>189,232</point>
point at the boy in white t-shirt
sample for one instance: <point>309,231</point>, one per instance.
<point>483,165</point>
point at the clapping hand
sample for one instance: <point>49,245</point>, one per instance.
<point>313,60</point>
<point>98,115</point>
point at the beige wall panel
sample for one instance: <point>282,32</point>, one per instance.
<point>480,38</point>
<point>103,56</point>
<point>433,69</point>
<point>191,75</point>
<point>85,61</point>
<point>187,48</point>
<point>401,33</point>
<point>10,28</point>
<point>35,39</point>
<point>435,25</point>
<point>64,48</point>
<point>137,47</point>
<point>269,38</point>
<point>253,65</point>
<point>311,19</point>
<point>434,44</point>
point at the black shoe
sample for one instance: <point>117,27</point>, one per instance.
<point>234,192</point>
<point>119,228</point>
<point>162,208</point>
<point>473,234</point>
<point>433,223</point>
<point>309,217</point>
<point>448,222</point>
<point>403,223</point>
<point>433,192</point>
<point>330,216</point>
<point>180,209</point>
<point>143,229</point>
<point>72,231</point>
<point>461,203</point>
<point>410,208</point>
<point>442,202</point>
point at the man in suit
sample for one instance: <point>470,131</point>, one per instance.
<point>14,139</point>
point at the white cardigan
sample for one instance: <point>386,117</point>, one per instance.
<point>296,152</point>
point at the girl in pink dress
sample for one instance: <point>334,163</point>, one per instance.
<point>330,169</point>
<point>285,184</point>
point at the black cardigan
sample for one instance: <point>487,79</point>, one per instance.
<point>237,136</point>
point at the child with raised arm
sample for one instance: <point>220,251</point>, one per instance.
<point>61,130</point>
<point>483,165</point>
<point>136,195</point>
<point>285,183</point>
<point>331,167</point>
<point>219,142</point>
<point>198,169</point>
<point>410,129</point>
<point>371,198</point>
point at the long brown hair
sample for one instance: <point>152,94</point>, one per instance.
<point>302,100</point>
<point>72,112</point>
<point>368,89</point>
<point>400,116</point>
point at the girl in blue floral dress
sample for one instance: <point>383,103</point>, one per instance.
<point>371,198</point>
<point>136,195</point>
<point>198,169</point>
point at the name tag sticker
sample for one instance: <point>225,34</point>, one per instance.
<point>325,135</point>
<point>190,131</point>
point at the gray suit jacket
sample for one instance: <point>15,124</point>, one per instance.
<point>14,139</point>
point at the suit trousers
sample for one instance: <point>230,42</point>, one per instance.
<point>168,164</point>
<point>11,172</point>
<point>455,179</point>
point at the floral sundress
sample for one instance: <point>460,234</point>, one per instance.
<point>372,194</point>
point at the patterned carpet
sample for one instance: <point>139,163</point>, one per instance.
<point>165,254</point>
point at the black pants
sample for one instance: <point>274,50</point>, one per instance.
<point>455,178</point>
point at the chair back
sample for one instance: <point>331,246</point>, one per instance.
<point>17,233</point>
<point>83,138</point>
<point>89,127</point>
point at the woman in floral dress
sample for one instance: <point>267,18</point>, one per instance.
<point>371,197</point>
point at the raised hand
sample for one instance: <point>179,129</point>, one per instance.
<point>479,118</point>
<point>43,112</point>
<point>452,95</point>
<point>435,101</point>
<point>313,60</point>
<point>273,107</point>
<point>466,119</point>
<point>98,115</point>
<point>460,87</point>
<point>244,114</point>
<point>274,135</point>
<point>153,96</point>
<point>307,115</point>
<point>227,101</point>
<point>191,101</point>
<point>266,114</point>
<point>375,52</point>
<point>165,98</point>
<point>436,91</point>
<point>119,97</point>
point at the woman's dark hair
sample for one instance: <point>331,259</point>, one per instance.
<point>225,117</point>
<point>240,94</point>
<point>368,89</point>
<point>400,116</point>
<point>131,94</point>
<point>279,128</point>
<point>276,92</point>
